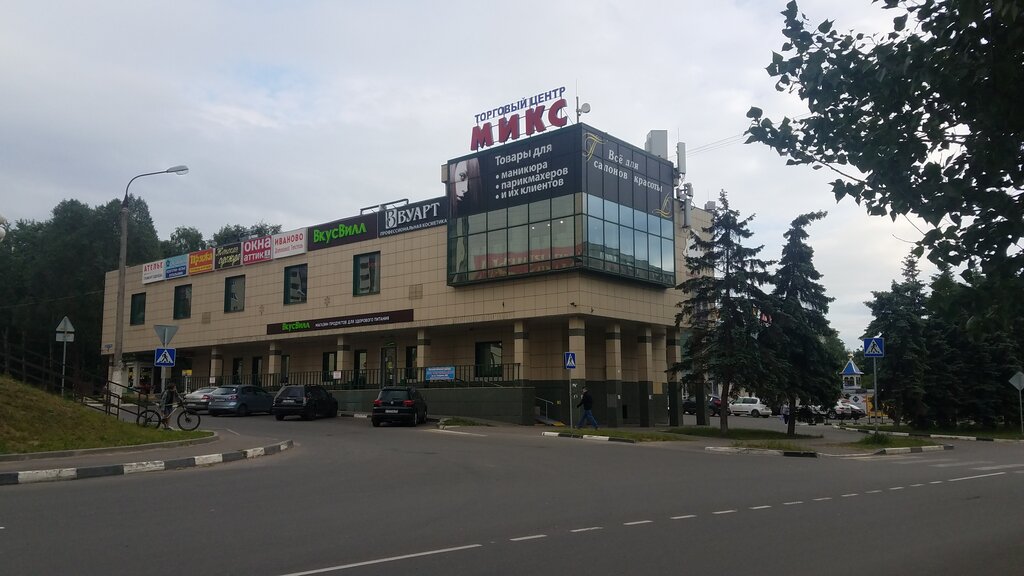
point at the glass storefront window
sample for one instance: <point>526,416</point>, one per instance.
<point>668,257</point>
<point>595,237</point>
<point>540,211</point>
<point>477,223</point>
<point>518,215</point>
<point>666,228</point>
<point>640,245</point>
<point>497,219</point>
<point>654,251</point>
<point>595,206</point>
<point>639,220</point>
<point>540,241</point>
<point>611,242</point>
<point>497,249</point>
<point>477,255</point>
<point>562,240</point>
<point>626,245</point>
<point>518,248</point>
<point>611,211</point>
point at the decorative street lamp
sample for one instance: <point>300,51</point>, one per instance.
<point>118,373</point>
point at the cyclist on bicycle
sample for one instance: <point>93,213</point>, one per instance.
<point>167,400</point>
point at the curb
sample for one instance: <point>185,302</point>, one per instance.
<point>936,436</point>
<point>763,451</point>
<point>107,450</point>
<point>913,449</point>
<point>587,437</point>
<point>58,474</point>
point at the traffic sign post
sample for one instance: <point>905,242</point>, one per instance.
<point>165,332</point>
<point>65,334</point>
<point>569,361</point>
<point>874,348</point>
<point>1018,382</point>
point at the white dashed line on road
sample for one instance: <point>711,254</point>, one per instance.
<point>382,560</point>
<point>683,517</point>
<point>759,507</point>
<point>872,491</point>
<point>896,488</point>
<point>588,529</point>
<point>533,537</point>
<point>793,502</point>
<point>953,464</point>
<point>637,523</point>
<point>849,495</point>
<point>1003,467</point>
<point>724,512</point>
<point>975,477</point>
<point>823,499</point>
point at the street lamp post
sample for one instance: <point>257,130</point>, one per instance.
<point>118,372</point>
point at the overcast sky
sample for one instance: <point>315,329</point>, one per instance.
<point>297,113</point>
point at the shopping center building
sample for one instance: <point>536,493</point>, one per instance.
<point>570,241</point>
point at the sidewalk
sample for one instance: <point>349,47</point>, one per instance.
<point>80,464</point>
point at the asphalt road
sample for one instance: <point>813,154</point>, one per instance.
<point>352,499</point>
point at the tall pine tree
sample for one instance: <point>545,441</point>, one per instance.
<point>724,306</point>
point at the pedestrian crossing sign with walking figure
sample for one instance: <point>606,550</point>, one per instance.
<point>874,347</point>
<point>164,358</point>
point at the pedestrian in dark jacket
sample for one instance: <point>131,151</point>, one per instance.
<point>587,402</point>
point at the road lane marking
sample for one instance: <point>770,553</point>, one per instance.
<point>586,529</point>
<point>872,491</point>
<point>683,517</point>
<point>759,507</point>
<point>849,495</point>
<point>822,499</point>
<point>724,512</point>
<point>637,522</point>
<point>925,461</point>
<point>533,537</point>
<point>916,485</point>
<point>447,431</point>
<point>794,502</point>
<point>1003,467</point>
<point>952,464</point>
<point>382,560</point>
<point>896,488</point>
<point>936,482</point>
<point>975,477</point>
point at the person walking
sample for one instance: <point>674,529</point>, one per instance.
<point>167,400</point>
<point>587,403</point>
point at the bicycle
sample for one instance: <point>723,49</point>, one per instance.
<point>153,418</point>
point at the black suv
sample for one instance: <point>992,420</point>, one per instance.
<point>714,405</point>
<point>399,404</point>
<point>305,401</point>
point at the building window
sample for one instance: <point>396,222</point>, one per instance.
<point>366,272</point>
<point>329,365</point>
<point>488,359</point>
<point>138,315</point>
<point>234,294</point>
<point>182,301</point>
<point>295,284</point>
<point>410,362</point>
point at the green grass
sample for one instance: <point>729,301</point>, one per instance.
<point>738,433</point>
<point>770,445</point>
<point>34,421</point>
<point>888,441</point>
<point>457,421</point>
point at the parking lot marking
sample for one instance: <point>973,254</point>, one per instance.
<point>638,522</point>
<point>382,560</point>
<point>683,517</point>
<point>587,529</point>
<point>724,512</point>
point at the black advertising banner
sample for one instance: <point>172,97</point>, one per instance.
<point>412,217</point>
<point>345,231</point>
<point>544,166</point>
<point>341,322</point>
<point>623,173</point>
<point>228,256</point>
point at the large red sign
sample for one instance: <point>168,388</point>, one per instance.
<point>257,250</point>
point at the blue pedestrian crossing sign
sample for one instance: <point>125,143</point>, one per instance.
<point>164,357</point>
<point>874,347</point>
<point>570,360</point>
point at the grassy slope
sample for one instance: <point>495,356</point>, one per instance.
<point>34,421</point>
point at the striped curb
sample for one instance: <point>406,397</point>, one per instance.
<point>936,436</point>
<point>58,474</point>
<point>762,451</point>
<point>913,449</point>
<point>588,437</point>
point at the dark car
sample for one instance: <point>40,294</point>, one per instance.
<point>714,405</point>
<point>307,402</point>
<point>399,404</point>
<point>240,400</point>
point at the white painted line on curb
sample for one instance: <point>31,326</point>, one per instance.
<point>209,459</point>
<point>135,467</point>
<point>533,537</point>
<point>382,560</point>
<point>31,476</point>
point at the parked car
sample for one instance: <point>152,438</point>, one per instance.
<point>308,402</point>
<point>714,405</point>
<point>240,400</point>
<point>199,399</point>
<point>399,404</point>
<point>750,406</point>
<point>844,409</point>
